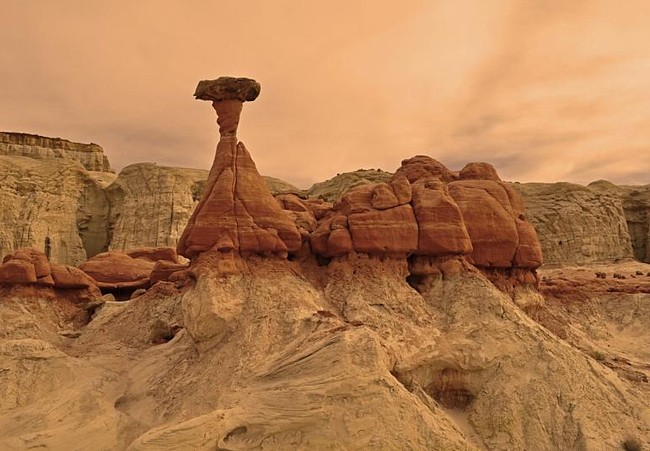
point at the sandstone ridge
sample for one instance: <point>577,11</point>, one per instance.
<point>91,156</point>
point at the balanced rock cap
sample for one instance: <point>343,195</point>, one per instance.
<point>228,88</point>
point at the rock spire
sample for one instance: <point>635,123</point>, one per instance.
<point>237,212</point>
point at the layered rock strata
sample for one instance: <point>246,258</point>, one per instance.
<point>54,205</point>
<point>427,212</point>
<point>576,224</point>
<point>150,205</point>
<point>91,156</point>
<point>636,207</point>
<point>115,271</point>
<point>237,212</point>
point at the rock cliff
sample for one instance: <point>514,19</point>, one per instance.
<point>91,156</point>
<point>151,204</point>
<point>577,224</point>
<point>636,206</point>
<point>54,205</point>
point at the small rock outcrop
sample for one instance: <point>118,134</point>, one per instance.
<point>127,271</point>
<point>237,212</point>
<point>91,156</point>
<point>31,267</point>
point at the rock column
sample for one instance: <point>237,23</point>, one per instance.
<point>237,212</point>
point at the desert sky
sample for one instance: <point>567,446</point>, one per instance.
<point>546,90</point>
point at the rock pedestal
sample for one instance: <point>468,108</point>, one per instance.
<point>237,212</point>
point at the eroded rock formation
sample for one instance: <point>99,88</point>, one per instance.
<point>636,207</point>
<point>116,271</point>
<point>54,205</point>
<point>29,266</point>
<point>576,224</point>
<point>237,212</point>
<point>151,204</point>
<point>91,156</point>
<point>427,211</point>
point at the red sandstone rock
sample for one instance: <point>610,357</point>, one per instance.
<point>46,281</point>
<point>162,270</point>
<point>17,272</point>
<point>117,270</point>
<point>69,277</point>
<point>154,254</point>
<point>35,257</point>
<point>392,231</point>
<point>31,266</point>
<point>494,225</point>
<point>318,207</point>
<point>441,229</point>
<point>237,211</point>
<point>383,197</point>
<point>479,171</point>
<point>402,189</point>
<point>299,212</point>
<point>432,213</point>
<point>423,167</point>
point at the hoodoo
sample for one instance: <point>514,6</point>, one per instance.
<point>237,212</point>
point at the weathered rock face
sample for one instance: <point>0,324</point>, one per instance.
<point>636,207</point>
<point>494,216</point>
<point>334,188</point>
<point>228,88</point>
<point>428,211</point>
<point>91,156</point>
<point>151,204</point>
<point>54,205</point>
<point>576,224</point>
<point>237,212</point>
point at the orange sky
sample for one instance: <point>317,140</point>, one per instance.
<point>545,90</point>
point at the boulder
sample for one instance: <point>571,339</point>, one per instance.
<point>17,272</point>
<point>423,167</point>
<point>479,171</point>
<point>69,277</point>
<point>494,217</point>
<point>118,270</point>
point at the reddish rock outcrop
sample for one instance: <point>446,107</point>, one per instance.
<point>428,212</point>
<point>163,270</point>
<point>31,267</point>
<point>126,271</point>
<point>237,212</point>
<point>374,218</point>
<point>422,167</point>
